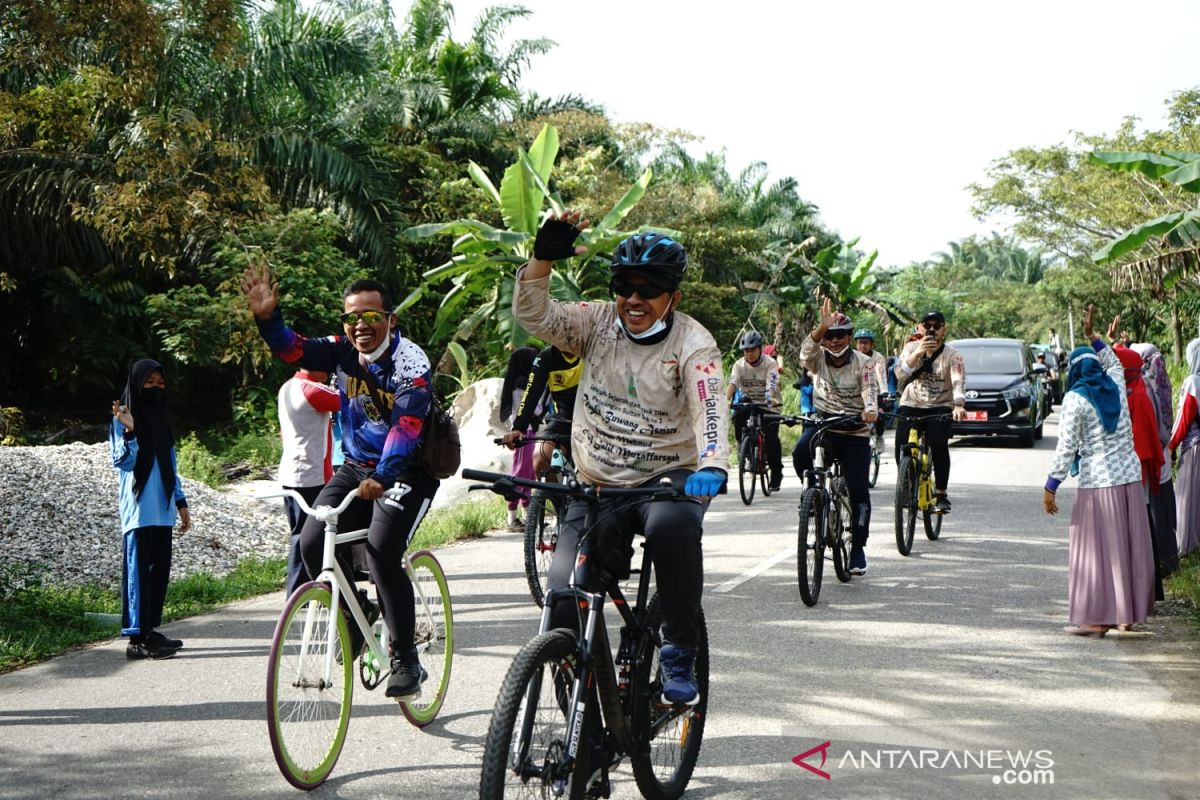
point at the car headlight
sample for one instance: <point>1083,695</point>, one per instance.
<point>1016,392</point>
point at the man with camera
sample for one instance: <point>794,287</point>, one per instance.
<point>930,376</point>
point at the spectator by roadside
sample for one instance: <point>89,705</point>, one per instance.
<point>305,403</point>
<point>1110,562</point>
<point>149,496</point>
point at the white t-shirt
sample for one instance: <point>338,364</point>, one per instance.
<point>759,383</point>
<point>306,426</point>
<point>642,409</point>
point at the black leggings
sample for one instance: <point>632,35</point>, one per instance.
<point>855,454</point>
<point>672,529</point>
<point>391,526</point>
<point>937,434</point>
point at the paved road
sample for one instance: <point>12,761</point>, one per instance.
<point>928,677</point>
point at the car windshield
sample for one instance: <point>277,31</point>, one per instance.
<point>992,361</point>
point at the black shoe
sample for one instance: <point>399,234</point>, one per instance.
<point>776,485</point>
<point>407,676</point>
<point>140,648</point>
<point>162,641</point>
<point>941,504</point>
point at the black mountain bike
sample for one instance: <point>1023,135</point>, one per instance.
<point>824,514</point>
<point>752,451</point>
<point>546,731</point>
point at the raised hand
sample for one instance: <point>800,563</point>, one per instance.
<point>1088,330</point>
<point>261,294</point>
<point>123,416</point>
<point>1114,329</point>
<point>827,313</point>
<point>556,238</point>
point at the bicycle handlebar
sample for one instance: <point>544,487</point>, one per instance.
<point>325,513</point>
<point>916,419</point>
<point>553,438</point>
<point>506,484</point>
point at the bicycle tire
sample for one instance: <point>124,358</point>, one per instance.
<point>906,505</point>
<point>764,472</point>
<point>835,529</point>
<point>667,738</point>
<point>747,461</point>
<point>307,719</point>
<point>810,547</point>
<point>933,525</point>
<point>875,459</point>
<point>535,673</point>
<point>433,636</point>
<point>539,547</point>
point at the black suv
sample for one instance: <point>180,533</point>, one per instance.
<point>1005,389</point>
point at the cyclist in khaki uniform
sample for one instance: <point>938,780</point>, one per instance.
<point>931,375</point>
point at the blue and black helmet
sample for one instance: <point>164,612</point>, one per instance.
<point>864,333</point>
<point>751,340</point>
<point>654,253</point>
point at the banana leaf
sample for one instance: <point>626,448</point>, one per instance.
<point>520,200</point>
<point>483,182</point>
<point>1154,165</point>
<point>1137,236</point>
<point>623,206</point>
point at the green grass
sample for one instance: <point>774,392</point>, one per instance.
<point>38,621</point>
<point>1184,583</point>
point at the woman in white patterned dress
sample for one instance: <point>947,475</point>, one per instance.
<point>1111,563</point>
<point>1184,438</point>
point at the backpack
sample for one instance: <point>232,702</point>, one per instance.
<point>441,452</point>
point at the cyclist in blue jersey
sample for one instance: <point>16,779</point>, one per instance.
<point>385,385</point>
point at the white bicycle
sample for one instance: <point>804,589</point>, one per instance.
<point>309,671</point>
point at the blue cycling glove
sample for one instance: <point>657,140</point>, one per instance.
<point>706,482</point>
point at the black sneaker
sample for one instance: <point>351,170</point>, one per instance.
<point>776,484</point>
<point>858,561</point>
<point>139,649</point>
<point>941,504</point>
<point>162,641</point>
<point>407,676</point>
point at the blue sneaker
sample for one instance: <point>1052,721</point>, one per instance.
<point>678,678</point>
<point>858,561</point>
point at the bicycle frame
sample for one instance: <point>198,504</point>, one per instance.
<point>918,451</point>
<point>339,584</point>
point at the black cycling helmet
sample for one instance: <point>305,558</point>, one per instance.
<point>751,340</point>
<point>653,253</point>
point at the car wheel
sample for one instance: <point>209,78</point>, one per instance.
<point>1025,438</point>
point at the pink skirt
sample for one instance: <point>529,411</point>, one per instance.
<point>1111,575</point>
<point>1187,497</point>
<point>522,467</point>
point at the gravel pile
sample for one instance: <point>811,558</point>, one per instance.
<point>59,521</point>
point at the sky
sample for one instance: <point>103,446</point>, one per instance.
<point>883,112</point>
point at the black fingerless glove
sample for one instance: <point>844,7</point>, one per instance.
<point>555,240</point>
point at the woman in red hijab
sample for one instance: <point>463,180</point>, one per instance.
<point>1145,435</point>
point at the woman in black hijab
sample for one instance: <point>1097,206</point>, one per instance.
<point>143,451</point>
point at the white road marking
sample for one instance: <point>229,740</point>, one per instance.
<point>759,569</point>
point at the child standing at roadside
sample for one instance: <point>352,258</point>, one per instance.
<point>150,493</point>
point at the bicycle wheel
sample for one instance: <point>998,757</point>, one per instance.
<point>525,752</point>
<point>875,459</point>
<point>307,715</point>
<point>747,466</point>
<point>810,547</point>
<point>906,505</point>
<point>932,520</point>
<point>764,473</point>
<point>668,737</point>
<point>540,537</point>
<point>433,637</point>
<point>835,523</point>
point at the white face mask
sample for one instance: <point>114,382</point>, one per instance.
<point>658,327</point>
<point>838,353</point>
<point>383,346</point>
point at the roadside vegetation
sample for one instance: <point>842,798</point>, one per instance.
<point>40,621</point>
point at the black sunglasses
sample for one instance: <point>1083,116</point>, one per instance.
<point>626,289</point>
<point>369,317</point>
<point>932,325</point>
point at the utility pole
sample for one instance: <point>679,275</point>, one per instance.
<point>1071,327</point>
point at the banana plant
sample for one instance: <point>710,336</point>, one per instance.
<point>1177,229</point>
<point>477,281</point>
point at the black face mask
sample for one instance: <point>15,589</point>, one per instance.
<point>153,395</point>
